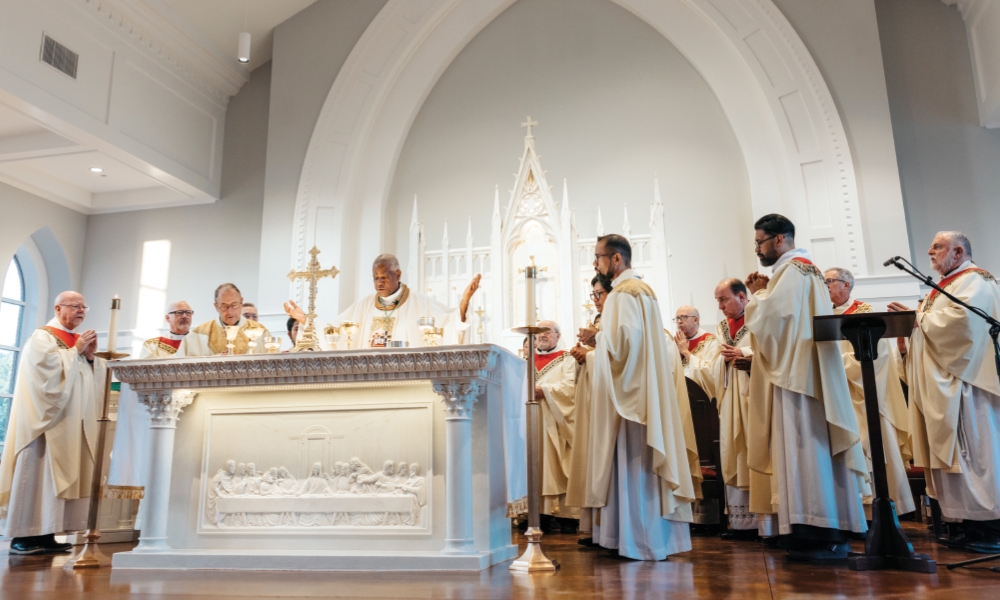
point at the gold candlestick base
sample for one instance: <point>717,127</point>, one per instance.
<point>534,560</point>
<point>90,556</point>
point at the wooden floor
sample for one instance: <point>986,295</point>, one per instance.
<point>714,569</point>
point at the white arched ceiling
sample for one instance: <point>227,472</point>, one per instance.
<point>771,90</point>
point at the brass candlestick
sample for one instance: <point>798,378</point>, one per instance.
<point>533,560</point>
<point>91,557</point>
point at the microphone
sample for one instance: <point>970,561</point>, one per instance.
<point>891,261</point>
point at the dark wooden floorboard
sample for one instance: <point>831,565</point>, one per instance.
<point>713,569</point>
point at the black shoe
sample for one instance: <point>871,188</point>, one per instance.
<point>568,525</point>
<point>830,551</point>
<point>613,553</point>
<point>27,545</point>
<point>961,540</point>
<point>986,544</point>
<point>51,545</point>
<point>587,541</point>
<point>775,542</point>
<point>740,535</point>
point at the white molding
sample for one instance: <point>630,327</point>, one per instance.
<point>780,108</point>
<point>982,26</point>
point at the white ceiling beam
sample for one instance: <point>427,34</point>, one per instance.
<point>45,186</point>
<point>33,145</point>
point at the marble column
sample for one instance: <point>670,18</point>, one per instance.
<point>459,397</point>
<point>164,408</point>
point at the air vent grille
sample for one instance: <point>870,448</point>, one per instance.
<point>59,56</point>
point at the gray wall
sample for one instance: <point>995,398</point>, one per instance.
<point>616,103</point>
<point>949,166</point>
<point>211,243</point>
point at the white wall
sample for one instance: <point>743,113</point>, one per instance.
<point>616,102</point>
<point>210,244</point>
<point>948,163</point>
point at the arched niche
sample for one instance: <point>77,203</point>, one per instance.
<point>790,133</point>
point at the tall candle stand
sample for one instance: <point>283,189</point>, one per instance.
<point>533,560</point>
<point>90,556</point>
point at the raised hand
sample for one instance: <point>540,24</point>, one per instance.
<point>731,353</point>
<point>756,282</point>
<point>744,363</point>
<point>897,307</point>
<point>682,343</point>
<point>587,336</point>
<point>579,352</point>
<point>470,290</point>
<point>86,344</point>
<point>293,311</point>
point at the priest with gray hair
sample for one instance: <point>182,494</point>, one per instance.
<point>393,311</point>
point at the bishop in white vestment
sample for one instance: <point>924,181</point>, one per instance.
<point>803,430</point>
<point>891,402</point>
<point>393,311</point>
<point>128,472</point>
<point>555,388</point>
<point>642,466</point>
<point>209,338</point>
<point>49,456</point>
<point>955,396</point>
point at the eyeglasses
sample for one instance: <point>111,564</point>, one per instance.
<point>77,307</point>
<point>757,244</point>
<point>832,281</point>
<point>597,257</point>
<point>595,296</point>
<point>681,318</point>
<point>226,307</point>
<point>181,313</point>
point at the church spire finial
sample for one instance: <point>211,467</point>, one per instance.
<point>529,124</point>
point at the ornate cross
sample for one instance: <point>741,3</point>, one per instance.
<point>529,124</point>
<point>312,274</point>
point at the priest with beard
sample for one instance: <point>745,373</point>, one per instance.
<point>49,455</point>
<point>392,312</point>
<point>127,474</point>
<point>955,396</point>
<point>727,379</point>
<point>555,389</point>
<point>209,338</point>
<point>802,430</point>
<point>891,402</point>
<point>641,464</point>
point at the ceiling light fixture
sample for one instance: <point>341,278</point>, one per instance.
<point>243,49</point>
<point>96,170</point>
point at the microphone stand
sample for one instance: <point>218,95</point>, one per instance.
<point>994,333</point>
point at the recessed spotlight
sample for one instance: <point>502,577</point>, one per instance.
<point>96,170</point>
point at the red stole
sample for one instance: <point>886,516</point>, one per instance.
<point>947,280</point>
<point>693,343</point>
<point>853,307</point>
<point>735,325</point>
<point>804,261</point>
<point>542,360</point>
<point>175,344</point>
<point>64,336</point>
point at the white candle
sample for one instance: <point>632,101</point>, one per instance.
<point>116,305</point>
<point>529,295</point>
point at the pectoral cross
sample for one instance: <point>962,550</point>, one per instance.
<point>312,274</point>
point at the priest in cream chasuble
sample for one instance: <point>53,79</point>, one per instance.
<point>955,395</point>
<point>393,311</point>
<point>209,338</point>
<point>642,459</point>
<point>555,388</point>
<point>891,402</point>
<point>696,345</point>
<point>727,379</point>
<point>127,474</point>
<point>49,455</point>
<point>802,427</point>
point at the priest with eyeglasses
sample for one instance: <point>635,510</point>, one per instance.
<point>209,338</point>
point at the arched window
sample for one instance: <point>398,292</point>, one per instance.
<point>11,320</point>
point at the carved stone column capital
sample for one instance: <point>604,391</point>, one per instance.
<point>165,406</point>
<point>458,396</point>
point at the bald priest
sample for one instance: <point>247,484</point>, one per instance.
<point>392,312</point>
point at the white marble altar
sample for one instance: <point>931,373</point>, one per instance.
<point>342,460</point>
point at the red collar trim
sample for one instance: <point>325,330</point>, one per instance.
<point>949,279</point>
<point>693,343</point>
<point>804,261</point>
<point>853,307</point>
<point>64,336</point>
<point>735,325</point>
<point>542,360</point>
<point>175,344</point>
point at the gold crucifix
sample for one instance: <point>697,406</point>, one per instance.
<point>312,274</point>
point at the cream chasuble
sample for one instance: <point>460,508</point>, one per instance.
<point>209,339</point>
<point>556,374</point>
<point>704,348</point>
<point>731,388</point>
<point>955,397</point>
<point>802,429</point>
<point>48,458</point>
<point>892,410</point>
<point>395,318</point>
<point>642,459</point>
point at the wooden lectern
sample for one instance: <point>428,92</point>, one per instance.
<point>886,546</point>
